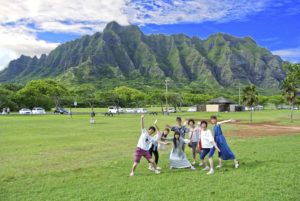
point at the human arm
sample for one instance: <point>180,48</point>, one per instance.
<point>216,146</point>
<point>226,121</point>
<point>211,139</point>
<point>156,126</point>
<point>185,123</point>
<point>142,122</point>
<point>161,142</point>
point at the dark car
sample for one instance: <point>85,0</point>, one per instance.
<point>60,110</point>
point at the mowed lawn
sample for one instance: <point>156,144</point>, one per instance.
<point>54,157</point>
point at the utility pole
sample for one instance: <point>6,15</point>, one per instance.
<point>239,94</point>
<point>167,84</point>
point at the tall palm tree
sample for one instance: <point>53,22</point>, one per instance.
<point>250,98</point>
<point>289,92</point>
<point>291,85</point>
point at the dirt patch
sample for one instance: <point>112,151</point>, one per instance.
<point>262,129</point>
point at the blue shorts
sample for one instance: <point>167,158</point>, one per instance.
<point>205,151</point>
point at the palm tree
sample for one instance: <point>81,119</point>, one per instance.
<point>250,98</point>
<point>289,92</point>
<point>291,85</point>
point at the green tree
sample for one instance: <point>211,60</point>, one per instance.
<point>277,100</point>
<point>86,94</point>
<point>43,93</point>
<point>129,96</point>
<point>291,85</point>
<point>250,98</point>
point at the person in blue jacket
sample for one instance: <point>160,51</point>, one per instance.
<point>225,152</point>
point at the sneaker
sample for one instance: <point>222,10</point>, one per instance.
<point>132,174</point>
<point>237,165</point>
<point>206,168</point>
<point>219,166</point>
<point>157,172</point>
<point>211,171</point>
<point>151,168</point>
<point>201,164</point>
<point>193,168</point>
<point>194,162</point>
<point>158,168</point>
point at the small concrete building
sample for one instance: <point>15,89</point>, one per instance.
<point>220,104</point>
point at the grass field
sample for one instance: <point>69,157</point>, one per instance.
<point>54,157</point>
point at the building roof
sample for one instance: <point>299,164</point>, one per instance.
<point>220,100</point>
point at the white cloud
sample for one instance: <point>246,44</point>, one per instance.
<point>22,20</point>
<point>195,11</point>
<point>291,55</point>
<point>68,16</point>
<point>15,41</point>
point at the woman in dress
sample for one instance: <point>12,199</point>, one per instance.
<point>225,151</point>
<point>178,158</point>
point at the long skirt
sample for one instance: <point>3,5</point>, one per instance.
<point>226,153</point>
<point>179,160</point>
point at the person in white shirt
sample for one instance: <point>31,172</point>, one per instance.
<point>208,144</point>
<point>194,138</point>
<point>143,147</point>
<point>157,142</point>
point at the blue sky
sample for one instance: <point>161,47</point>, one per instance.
<point>34,27</point>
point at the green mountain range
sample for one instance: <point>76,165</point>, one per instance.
<point>125,54</point>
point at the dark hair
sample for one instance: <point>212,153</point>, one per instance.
<point>213,117</point>
<point>167,129</point>
<point>203,122</point>
<point>152,128</point>
<point>178,119</point>
<point>174,139</point>
<point>191,120</point>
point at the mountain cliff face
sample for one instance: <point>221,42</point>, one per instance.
<point>124,52</point>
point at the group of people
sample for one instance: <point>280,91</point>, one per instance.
<point>6,110</point>
<point>200,139</point>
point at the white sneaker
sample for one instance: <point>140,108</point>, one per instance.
<point>158,168</point>
<point>157,172</point>
<point>151,168</point>
<point>194,162</point>
<point>201,164</point>
<point>132,174</point>
<point>193,168</point>
<point>237,165</point>
<point>206,168</point>
<point>211,171</point>
<point>219,166</point>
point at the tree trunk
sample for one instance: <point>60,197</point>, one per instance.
<point>251,114</point>
<point>292,110</point>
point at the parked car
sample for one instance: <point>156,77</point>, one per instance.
<point>259,107</point>
<point>25,111</point>
<point>130,110</point>
<point>192,109</point>
<point>141,110</point>
<point>60,110</point>
<point>170,110</point>
<point>283,107</point>
<point>38,110</point>
<point>115,110</point>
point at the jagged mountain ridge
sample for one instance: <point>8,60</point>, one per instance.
<point>124,52</point>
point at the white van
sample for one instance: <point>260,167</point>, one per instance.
<point>115,110</point>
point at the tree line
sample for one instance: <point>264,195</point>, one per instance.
<point>50,93</point>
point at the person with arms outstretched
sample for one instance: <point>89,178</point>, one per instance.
<point>143,147</point>
<point>225,152</point>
